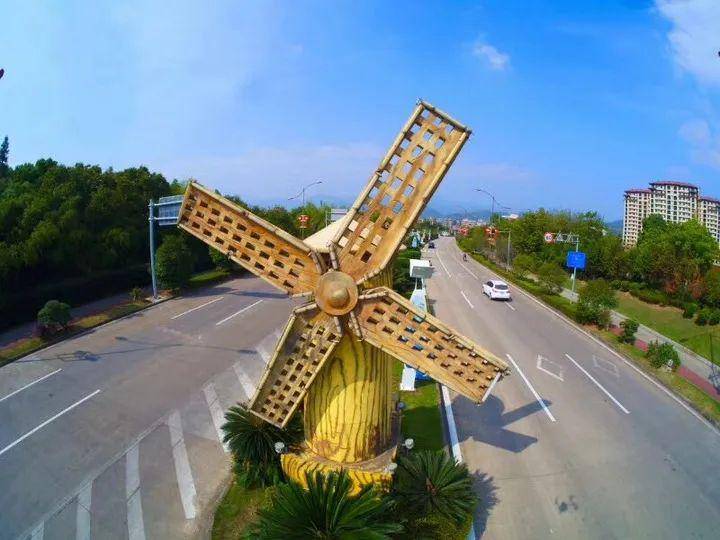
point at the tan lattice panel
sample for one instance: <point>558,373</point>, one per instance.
<point>413,336</point>
<point>265,250</point>
<point>306,344</point>
<point>398,191</point>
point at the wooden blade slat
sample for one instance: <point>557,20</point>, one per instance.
<point>255,244</point>
<point>413,336</point>
<point>309,339</point>
<point>398,191</point>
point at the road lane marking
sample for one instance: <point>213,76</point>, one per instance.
<point>226,319</point>
<point>606,365</point>
<point>509,305</point>
<point>530,386</point>
<point>46,422</point>
<point>215,411</point>
<point>245,381</point>
<point>558,375</point>
<point>466,299</point>
<point>186,484</point>
<point>442,263</point>
<point>196,307</point>
<point>30,384</point>
<point>38,532</point>
<point>82,517</point>
<point>600,386</point>
<point>135,522</point>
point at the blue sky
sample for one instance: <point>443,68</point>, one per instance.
<point>570,102</point>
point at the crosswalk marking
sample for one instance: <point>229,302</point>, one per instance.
<point>136,527</point>
<point>247,385</point>
<point>216,412</point>
<point>82,518</point>
<point>38,532</point>
<point>186,485</point>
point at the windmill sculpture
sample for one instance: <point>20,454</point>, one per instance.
<point>336,351</point>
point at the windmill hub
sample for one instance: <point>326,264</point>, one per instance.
<point>337,293</point>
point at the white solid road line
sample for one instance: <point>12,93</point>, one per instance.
<point>46,422</point>
<point>492,385</point>
<point>196,307</point>
<point>135,523</point>
<point>238,313</point>
<point>82,516</point>
<point>452,430</point>
<point>186,484</point>
<point>465,267</point>
<point>30,384</point>
<point>215,412</point>
<point>530,386</point>
<point>600,386</point>
<point>442,263</point>
<point>466,299</point>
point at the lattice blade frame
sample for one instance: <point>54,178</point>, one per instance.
<point>398,191</point>
<point>393,324</point>
<point>255,244</point>
<point>309,339</point>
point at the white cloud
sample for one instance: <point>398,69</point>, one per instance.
<point>704,142</point>
<point>495,59</point>
<point>694,36</point>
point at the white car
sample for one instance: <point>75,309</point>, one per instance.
<point>496,289</point>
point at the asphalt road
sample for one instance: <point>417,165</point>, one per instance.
<point>115,434</point>
<point>576,443</point>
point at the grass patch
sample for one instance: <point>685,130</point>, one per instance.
<point>206,278</point>
<point>421,417</point>
<point>29,345</point>
<point>669,321</point>
<point>237,509</point>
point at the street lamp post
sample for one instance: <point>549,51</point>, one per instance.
<point>302,192</point>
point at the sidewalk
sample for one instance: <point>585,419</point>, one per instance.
<point>698,370</point>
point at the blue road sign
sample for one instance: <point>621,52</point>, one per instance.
<point>576,260</point>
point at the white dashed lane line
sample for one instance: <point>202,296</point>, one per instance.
<point>532,389</point>
<point>186,484</point>
<point>196,307</point>
<point>226,319</point>
<point>11,394</point>
<point>466,299</point>
<point>600,386</point>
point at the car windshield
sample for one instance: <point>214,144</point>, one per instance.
<point>501,287</point>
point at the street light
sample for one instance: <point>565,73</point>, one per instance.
<point>302,192</point>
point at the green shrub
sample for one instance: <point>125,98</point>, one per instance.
<point>651,296</point>
<point>689,310</point>
<point>714,317</point>
<point>662,354</point>
<point>703,317</point>
<point>252,443</point>
<point>428,483</point>
<point>523,264</point>
<point>595,301</point>
<point>174,262</point>
<point>624,285</point>
<point>326,510</point>
<point>629,327</point>
<point>136,294</point>
<point>53,316</point>
<point>551,277</point>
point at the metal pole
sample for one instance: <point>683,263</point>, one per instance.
<point>574,276</point>
<point>508,256</point>
<point>151,227</point>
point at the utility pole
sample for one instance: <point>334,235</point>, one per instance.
<point>574,276</point>
<point>151,228</point>
<point>302,192</point>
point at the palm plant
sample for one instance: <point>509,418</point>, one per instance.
<point>325,510</point>
<point>252,443</point>
<point>428,483</point>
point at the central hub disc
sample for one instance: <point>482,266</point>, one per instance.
<point>337,293</point>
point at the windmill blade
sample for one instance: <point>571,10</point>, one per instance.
<point>398,191</point>
<point>413,336</point>
<point>309,339</point>
<point>255,244</point>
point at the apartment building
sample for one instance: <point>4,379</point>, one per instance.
<point>676,202</point>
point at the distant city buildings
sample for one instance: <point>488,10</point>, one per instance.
<point>675,202</point>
